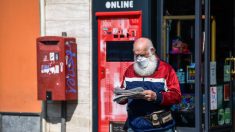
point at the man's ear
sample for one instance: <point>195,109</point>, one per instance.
<point>152,50</point>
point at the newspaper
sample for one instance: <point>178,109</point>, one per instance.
<point>122,94</point>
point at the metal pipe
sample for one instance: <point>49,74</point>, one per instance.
<point>168,28</point>
<point>164,40</point>
<point>198,47</point>
<point>45,117</point>
<point>213,40</point>
<point>42,18</point>
<point>160,26</point>
<point>178,28</point>
<point>63,116</point>
<point>63,105</point>
<point>207,65</point>
<point>182,17</point>
<point>0,122</point>
<point>42,33</point>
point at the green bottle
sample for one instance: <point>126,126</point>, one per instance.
<point>227,116</point>
<point>221,117</point>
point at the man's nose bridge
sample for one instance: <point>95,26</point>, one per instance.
<point>137,52</point>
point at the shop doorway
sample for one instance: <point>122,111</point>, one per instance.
<point>201,50</point>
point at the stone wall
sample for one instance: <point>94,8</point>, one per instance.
<point>73,17</point>
<point>19,123</point>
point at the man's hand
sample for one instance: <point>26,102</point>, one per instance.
<point>150,95</point>
<point>122,101</point>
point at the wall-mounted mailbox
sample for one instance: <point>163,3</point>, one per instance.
<point>57,68</point>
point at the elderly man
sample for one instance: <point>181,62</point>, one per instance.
<point>151,113</point>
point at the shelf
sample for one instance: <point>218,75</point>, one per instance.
<point>221,128</point>
<point>177,53</point>
<point>185,112</point>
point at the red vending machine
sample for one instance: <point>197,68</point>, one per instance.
<point>116,34</point>
<point>57,68</point>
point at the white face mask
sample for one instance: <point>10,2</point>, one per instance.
<point>142,61</point>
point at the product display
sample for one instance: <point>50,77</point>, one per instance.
<point>181,75</point>
<point>179,47</point>
<point>216,74</point>
<point>227,74</point>
<point>191,73</point>
<point>187,103</point>
<point>221,117</point>
<point>226,92</point>
<point>219,96</point>
<point>227,116</point>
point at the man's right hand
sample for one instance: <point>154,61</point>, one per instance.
<point>150,95</point>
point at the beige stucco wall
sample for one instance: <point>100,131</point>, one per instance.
<point>73,17</point>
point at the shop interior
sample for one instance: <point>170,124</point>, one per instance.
<point>179,50</point>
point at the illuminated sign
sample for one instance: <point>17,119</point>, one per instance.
<point>119,4</point>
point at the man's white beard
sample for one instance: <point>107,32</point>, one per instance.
<point>149,70</point>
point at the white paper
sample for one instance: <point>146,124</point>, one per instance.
<point>213,73</point>
<point>213,98</point>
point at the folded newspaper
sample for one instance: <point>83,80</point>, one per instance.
<point>122,94</point>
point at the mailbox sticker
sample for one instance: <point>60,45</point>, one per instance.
<point>56,56</point>
<point>45,58</point>
<point>52,56</point>
<point>44,68</point>
<point>50,70</point>
<point>61,66</point>
<point>56,69</point>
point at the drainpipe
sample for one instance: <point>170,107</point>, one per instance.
<point>0,122</point>
<point>42,18</point>
<point>63,116</point>
<point>63,106</point>
<point>43,124</point>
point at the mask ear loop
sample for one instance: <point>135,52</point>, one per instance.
<point>135,58</point>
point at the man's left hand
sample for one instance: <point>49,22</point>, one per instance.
<point>150,95</point>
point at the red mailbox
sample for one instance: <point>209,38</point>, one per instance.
<point>57,68</point>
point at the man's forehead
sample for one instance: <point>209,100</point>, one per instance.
<point>141,41</point>
<point>140,46</point>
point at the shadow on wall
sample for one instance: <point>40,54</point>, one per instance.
<point>55,111</point>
